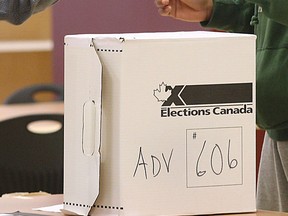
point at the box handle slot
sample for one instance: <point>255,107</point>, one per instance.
<point>89,128</point>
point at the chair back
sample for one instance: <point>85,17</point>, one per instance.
<point>27,94</point>
<point>31,161</point>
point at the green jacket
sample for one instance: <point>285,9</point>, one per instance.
<point>269,20</point>
<point>16,11</point>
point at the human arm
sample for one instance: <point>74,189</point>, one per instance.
<point>186,10</point>
<point>229,15</point>
<point>18,11</point>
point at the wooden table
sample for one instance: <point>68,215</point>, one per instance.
<point>27,203</point>
<point>10,111</point>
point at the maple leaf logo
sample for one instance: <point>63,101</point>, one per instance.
<point>163,92</point>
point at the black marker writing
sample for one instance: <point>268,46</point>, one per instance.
<point>156,163</point>
<point>216,162</point>
<point>141,162</point>
<point>216,147</point>
<point>233,163</point>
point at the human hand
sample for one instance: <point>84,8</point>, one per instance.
<point>187,10</point>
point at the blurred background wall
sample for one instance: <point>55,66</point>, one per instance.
<point>107,16</point>
<point>26,53</point>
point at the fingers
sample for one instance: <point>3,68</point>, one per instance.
<point>164,7</point>
<point>161,3</point>
<point>166,11</point>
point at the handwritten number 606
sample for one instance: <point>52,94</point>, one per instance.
<point>216,149</point>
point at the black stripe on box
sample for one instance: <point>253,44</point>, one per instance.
<point>217,93</point>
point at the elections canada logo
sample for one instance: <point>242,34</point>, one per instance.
<point>203,100</point>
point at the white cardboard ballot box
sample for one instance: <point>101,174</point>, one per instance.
<point>159,124</point>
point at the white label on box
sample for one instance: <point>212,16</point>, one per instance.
<point>214,157</point>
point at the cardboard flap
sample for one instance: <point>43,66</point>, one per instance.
<point>108,44</point>
<point>83,139</point>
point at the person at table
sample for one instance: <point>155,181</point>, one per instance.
<point>18,11</point>
<point>269,21</point>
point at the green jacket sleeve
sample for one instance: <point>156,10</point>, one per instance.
<point>231,15</point>
<point>17,11</point>
<point>276,10</point>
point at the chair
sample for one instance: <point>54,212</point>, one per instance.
<point>29,161</point>
<point>27,94</point>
